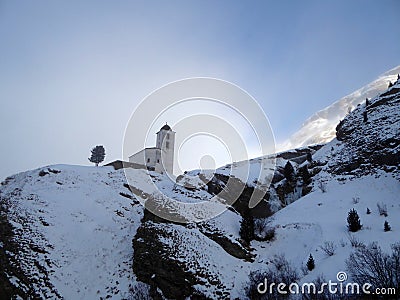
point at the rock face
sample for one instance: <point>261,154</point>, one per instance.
<point>369,137</point>
<point>152,263</point>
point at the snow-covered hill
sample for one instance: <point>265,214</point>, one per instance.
<point>81,233</point>
<point>320,127</point>
<point>73,226</point>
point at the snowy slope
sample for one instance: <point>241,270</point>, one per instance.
<point>321,217</point>
<point>320,127</point>
<point>81,233</point>
<point>75,229</point>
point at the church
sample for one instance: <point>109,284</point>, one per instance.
<point>161,157</point>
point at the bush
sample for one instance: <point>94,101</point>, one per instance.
<point>322,186</point>
<point>382,209</point>
<point>353,221</point>
<point>370,264</point>
<point>280,271</point>
<point>329,248</point>
<point>354,241</point>
<point>386,226</point>
<point>263,231</point>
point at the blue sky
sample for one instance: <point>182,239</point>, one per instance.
<point>71,72</point>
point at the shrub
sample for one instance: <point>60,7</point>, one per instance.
<point>280,271</point>
<point>354,241</point>
<point>382,209</point>
<point>329,248</point>
<point>386,226</point>
<point>370,264</point>
<point>263,231</point>
<point>353,221</point>
<point>322,186</point>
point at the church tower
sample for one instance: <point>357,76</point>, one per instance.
<point>166,142</point>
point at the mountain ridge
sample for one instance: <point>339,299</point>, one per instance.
<point>79,232</point>
<point>320,127</point>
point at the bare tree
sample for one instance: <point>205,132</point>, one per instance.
<point>370,264</point>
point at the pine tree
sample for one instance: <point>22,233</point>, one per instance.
<point>365,116</point>
<point>366,102</point>
<point>353,221</point>
<point>305,175</point>
<point>98,154</point>
<point>386,226</point>
<point>390,84</point>
<point>368,211</point>
<point>309,157</point>
<point>310,263</point>
<point>288,171</point>
<point>247,228</point>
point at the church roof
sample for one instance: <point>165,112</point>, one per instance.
<point>165,127</point>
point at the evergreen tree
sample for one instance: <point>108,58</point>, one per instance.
<point>390,84</point>
<point>310,263</point>
<point>368,211</point>
<point>305,175</point>
<point>98,154</point>
<point>353,221</point>
<point>365,116</point>
<point>366,102</point>
<point>288,171</point>
<point>386,226</point>
<point>247,228</point>
<point>309,157</point>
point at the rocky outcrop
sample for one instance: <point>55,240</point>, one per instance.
<point>370,135</point>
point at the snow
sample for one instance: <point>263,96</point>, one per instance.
<point>320,127</point>
<point>306,224</point>
<point>84,218</point>
<point>89,232</point>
